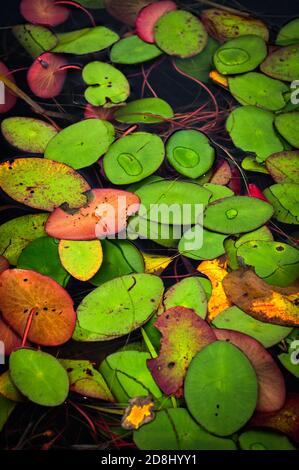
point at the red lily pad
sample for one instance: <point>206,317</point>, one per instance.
<point>9,98</point>
<point>10,339</point>
<point>43,12</point>
<point>148,17</point>
<point>23,292</point>
<point>104,214</point>
<point>272,391</point>
<point>46,76</point>
<point>184,334</point>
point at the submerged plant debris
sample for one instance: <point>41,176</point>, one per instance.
<point>149,263</point>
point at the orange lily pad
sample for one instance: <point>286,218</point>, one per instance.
<point>139,412</point>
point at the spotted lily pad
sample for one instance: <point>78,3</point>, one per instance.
<point>85,41</point>
<point>284,197</point>
<point>133,50</point>
<point>288,34</point>
<point>82,259</point>
<point>180,33</point>
<point>133,158</point>
<point>211,247</point>
<point>287,125</point>
<point>221,388</point>
<point>105,83</point>
<point>34,38</point>
<point>252,129</point>
<point>183,334</point>
<point>39,377</point>
<point>264,440</point>
<point>148,17</point>
<point>284,166</point>
<point>41,255</point>
<point>122,305</point>
<point>26,293</point>
<point>47,74</point>
<point>145,110</point>
<point>240,55</point>
<point>82,143</point>
<point>27,134</point>
<point>86,380</point>
<point>283,63</point>
<point>17,233</point>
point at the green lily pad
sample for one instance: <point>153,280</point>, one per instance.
<point>235,319</point>
<point>81,144</point>
<point>28,134</point>
<point>288,34</point>
<point>128,376</point>
<point>175,429</point>
<point>250,164</point>
<point>218,191</point>
<point>6,408</point>
<point>240,55</point>
<point>107,85</point>
<point>86,380</point>
<point>251,129</point>
<point>162,234</point>
<point>133,158</point>
<point>237,214</point>
<point>259,90</point>
<point>17,233</point>
<point>92,4</point>
<point>221,388</point>
<point>284,198</point>
<point>190,153</point>
<point>39,376</point>
<point>122,305</point>
<point>200,65</point>
<point>145,110</point>
<point>212,244</point>
<point>180,33</point>
<point>264,440</point>
<point>283,63</point>
<point>120,257</point>
<point>41,255</point>
<point>85,41</point>
<point>34,38</point>
<point>289,360</point>
<point>284,166</point>
<point>276,263</point>
<point>261,234</point>
<point>287,125</point>
<point>132,50</point>
<point>8,388</point>
<point>82,259</point>
<point>42,184</point>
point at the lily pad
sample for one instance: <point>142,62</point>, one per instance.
<point>17,233</point>
<point>81,144</point>
<point>27,134</point>
<point>133,50</point>
<point>122,305</point>
<point>47,75</point>
<point>162,234</point>
<point>155,264</point>
<point>107,85</point>
<point>39,377</point>
<point>187,293</point>
<point>85,41</point>
<point>145,110</point>
<point>6,408</point>
<point>180,33</point>
<point>240,55</point>
<point>190,153</point>
<point>175,429</point>
<point>9,338</point>
<point>43,12</point>
<point>25,293</point>
<point>284,198</point>
<point>41,255</point>
<point>284,166</point>
<point>236,214</point>
<point>289,359</point>
<point>218,191</point>
<point>250,164</point>
<point>10,98</point>
<point>288,34</point>
<point>212,244</point>
<point>221,388</point>
<point>34,38</point>
<point>287,125</point>
<point>148,17</point>
<point>283,63</point>
<point>264,440</point>
<point>133,158</point>
<point>82,259</point>
<point>125,10</point>
<point>42,184</point>
<point>92,4</point>
<point>8,388</point>
<point>252,129</point>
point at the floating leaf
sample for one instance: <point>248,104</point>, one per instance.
<point>252,129</point>
<point>284,166</point>
<point>288,34</point>
<point>211,247</point>
<point>27,134</point>
<point>106,84</point>
<point>10,339</point>
<point>39,377</point>
<point>4,264</point>
<point>10,99</point>
<point>104,214</point>
<point>250,164</point>
<point>133,157</point>
<point>47,75</point>
<point>148,17</point>
<point>162,234</point>
<point>223,174</point>
<point>81,144</point>
<point>41,255</point>
<point>125,10</point>
<point>146,110</point>
<point>85,41</point>
<point>218,191</point>
<point>42,184</point>
<point>43,12</point>
<point>86,380</point>
<point>34,38</point>
<point>139,412</point>
<point>283,63</point>
<point>284,198</point>
<point>287,125</point>
<point>92,4</point>
<point>6,408</point>
<point>17,233</point>
<point>264,440</point>
<point>155,264</point>
<point>183,335</point>
<point>290,359</point>
<point>175,429</point>
<point>26,293</point>
<point>240,55</point>
<point>122,305</point>
<point>8,388</point>
<point>132,50</point>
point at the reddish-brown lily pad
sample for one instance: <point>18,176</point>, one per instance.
<point>47,75</point>
<point>4,264</point>
<point>184,334</point>
<point>43,12</point>
<point>29,296</point>
<point>125,10</point>
<point>105,214</point>
<point>10,339</point>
